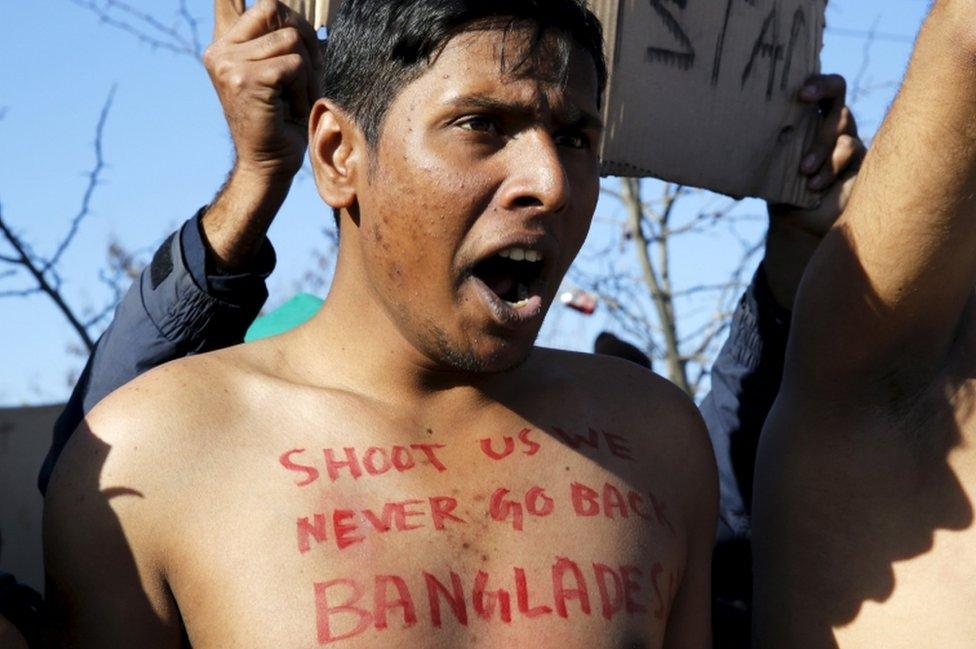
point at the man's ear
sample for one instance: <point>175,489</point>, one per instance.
<point>335,147</point>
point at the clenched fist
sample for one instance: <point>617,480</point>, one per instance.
<point>264,66</point>
<point>263,63</point>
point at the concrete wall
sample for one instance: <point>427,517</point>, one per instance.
<point>25,435</point>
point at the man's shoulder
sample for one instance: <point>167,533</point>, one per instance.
<point>660,423</point>
<point>661,420</point>
<point>177,392</point>
<point>614,380</point>
<point>157,419</point>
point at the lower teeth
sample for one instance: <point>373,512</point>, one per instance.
<point>523,296</point>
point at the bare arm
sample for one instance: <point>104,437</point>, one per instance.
<point>889,285</point>
<point>689,620</point>
<point>264,64</point>
<point>104,581</point>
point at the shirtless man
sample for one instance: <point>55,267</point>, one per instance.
<point>866,477</point>
<point>407,470</point>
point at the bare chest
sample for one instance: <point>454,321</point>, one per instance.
<point>516,536</point>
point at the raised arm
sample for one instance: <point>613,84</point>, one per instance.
<point>745,378</point>
<point>887,288</point>
<point>205,284</point>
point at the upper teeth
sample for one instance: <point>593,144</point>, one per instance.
<point>521,254</point>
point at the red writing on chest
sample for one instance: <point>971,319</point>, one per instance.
<point>613,503</point>
<point>596,439</point>
<point>351,463</point>
<point>344,608</point>
<point>348,527</point>
<point>502,507</point>
<point>501,450</point>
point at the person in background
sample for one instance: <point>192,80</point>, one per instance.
<point>610,345</point>
<point>206,283</point>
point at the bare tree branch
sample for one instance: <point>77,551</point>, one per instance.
<point>611,193</point>
<point>631,190</point>
<point>149,29</point>
<point>44,271</point>
<point>880,36</point>
<point>858,84</point>
<point>194,26</point>
<point>20,293</point>
<point>93,178</point>
<point>43,285</point>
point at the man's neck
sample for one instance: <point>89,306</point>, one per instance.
<point>353,343</point>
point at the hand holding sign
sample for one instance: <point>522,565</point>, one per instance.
<point>831,165</point>
<point>262,63</point>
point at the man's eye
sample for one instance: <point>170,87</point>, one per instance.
<point>479,124</point>
<point>573,140</point>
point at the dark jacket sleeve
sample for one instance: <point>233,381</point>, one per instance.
<point>745,380</point>
<point>177,307</point>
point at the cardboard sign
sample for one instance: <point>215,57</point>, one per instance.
<point>703,92</point>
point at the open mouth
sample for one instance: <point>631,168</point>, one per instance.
<point>512,274</point>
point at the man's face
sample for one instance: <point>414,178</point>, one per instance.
<point>482,189</point>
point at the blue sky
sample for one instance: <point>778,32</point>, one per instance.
<point>167,152</point>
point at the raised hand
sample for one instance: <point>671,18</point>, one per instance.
<point>263,63</point>
<point>831,165</point>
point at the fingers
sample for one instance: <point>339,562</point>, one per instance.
<point>226,12</point>
<point>823,86</point>
<point>845,159</point>
<point>839,121</point>
<point>279,43</point>
<point>291,73</point>
<point>267,16</point>
<point>267,33</point>
<point>836,142</point>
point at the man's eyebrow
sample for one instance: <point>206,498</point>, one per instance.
<point>572,116</point>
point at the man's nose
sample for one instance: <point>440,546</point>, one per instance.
<point>536,175</point>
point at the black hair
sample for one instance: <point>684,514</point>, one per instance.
<point>376,47</point>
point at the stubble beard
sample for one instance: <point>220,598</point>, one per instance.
<point>458,359</point>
